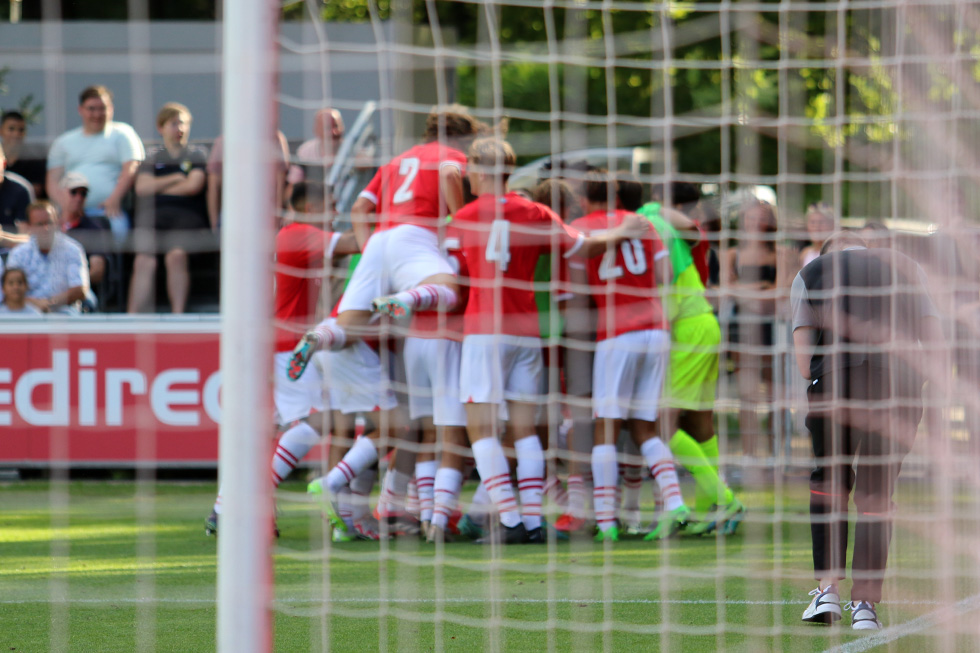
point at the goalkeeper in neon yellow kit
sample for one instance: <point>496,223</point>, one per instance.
<point>693,373</point>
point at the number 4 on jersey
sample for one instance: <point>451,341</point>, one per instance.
<point>498,247</point>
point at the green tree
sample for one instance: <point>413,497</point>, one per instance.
<point>30,109</point>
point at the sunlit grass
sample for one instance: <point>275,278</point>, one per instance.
<point>119,564</point>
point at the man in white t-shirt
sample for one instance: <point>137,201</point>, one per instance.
<point>107,152</point>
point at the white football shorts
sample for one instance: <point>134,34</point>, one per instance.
<point>432,374</point>
<point>295,399</point>
<point>628,375</point>
<point>498,368</point>
<point>355,379</point>
<point>394,260</point>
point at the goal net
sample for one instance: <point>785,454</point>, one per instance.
<point>791,121</point>
<point>630,422</point>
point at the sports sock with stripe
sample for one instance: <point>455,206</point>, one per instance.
<point>425,476</point>
<point>492,465</point>
<point>657,457</point>
<point>332,336</point>
<point>360,490</point>
<point>294,444</point>
<point>428,296</point>
<point>605,474</point>
<point>361,456</point>
<point>446,495</point>
<point>530,479</point>
<point>394,492</point>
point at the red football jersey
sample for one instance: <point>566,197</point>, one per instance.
<point>300,252</point>
<point>501,239</point>
<point>622,281</point>
<point>406,189</point>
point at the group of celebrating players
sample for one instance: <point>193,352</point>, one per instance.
<point>448,259</point>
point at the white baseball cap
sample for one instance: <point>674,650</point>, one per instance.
<point>74,180</point>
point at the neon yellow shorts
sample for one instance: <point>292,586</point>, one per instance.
<point>692,379</point>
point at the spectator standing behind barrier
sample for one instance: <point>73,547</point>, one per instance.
<point>858,318</point>
<point>107,152</point>
<point>15,195</point>
<point>91,232</point>
<point>315,157</point>
<point>171,216</point>
<point>819,225</point>
<point>215,171</point>
<point>14,284</point>
<point>13,131</point>
<point>57,273</point>
<point>751,271</point>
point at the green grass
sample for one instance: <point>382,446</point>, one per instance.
<point>105,566</point>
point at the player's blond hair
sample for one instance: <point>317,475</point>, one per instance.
<point>454,123</point>
<point>492,156</point>
<point>171,110</point>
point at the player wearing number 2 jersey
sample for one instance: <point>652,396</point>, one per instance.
<point>501,237</point>
<point>631,356</point>
<point>410,197</point>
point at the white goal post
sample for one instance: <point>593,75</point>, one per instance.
<point>249,128</point>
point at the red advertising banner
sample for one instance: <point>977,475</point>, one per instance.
<point>127,396</point>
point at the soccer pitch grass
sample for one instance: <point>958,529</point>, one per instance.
<point>112,566</point>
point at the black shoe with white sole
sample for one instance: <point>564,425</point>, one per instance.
<point>863,616</point>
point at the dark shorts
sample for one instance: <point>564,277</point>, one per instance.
<point>164,230</point>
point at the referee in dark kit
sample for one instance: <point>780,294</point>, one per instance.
<point>860,319</point>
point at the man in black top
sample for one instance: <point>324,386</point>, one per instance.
<point>15,195</point>
<point>13,130</point>
<point>859,317</point>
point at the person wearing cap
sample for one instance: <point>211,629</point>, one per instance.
<point>91,231</point>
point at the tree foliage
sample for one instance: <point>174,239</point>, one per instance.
<point>776,74</point>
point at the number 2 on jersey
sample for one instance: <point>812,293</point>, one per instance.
<point>634,258</point>
<point>408,168</point>
<point>498,246</point>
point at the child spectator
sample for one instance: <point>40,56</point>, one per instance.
<point>14,284</point>
<point>172,214</point>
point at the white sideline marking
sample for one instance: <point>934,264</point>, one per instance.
<point>917,625</point>
<point>456,600</point>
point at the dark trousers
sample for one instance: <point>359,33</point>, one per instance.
<point>862,422</point>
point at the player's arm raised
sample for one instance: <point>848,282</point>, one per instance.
<point>361,218</point>
<point>346,244</point>
<point>685,226</point>
<point>451,187</point>
<point>632,226</point>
